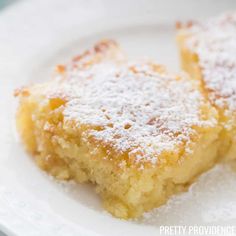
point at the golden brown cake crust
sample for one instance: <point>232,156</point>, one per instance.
<point>133,108</point>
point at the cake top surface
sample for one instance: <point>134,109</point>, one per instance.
<point>214,41</point>
<point>134,107</point>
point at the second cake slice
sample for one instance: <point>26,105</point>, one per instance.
<point>208,54</point>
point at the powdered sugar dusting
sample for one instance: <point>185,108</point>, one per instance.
<point>214,42</point>
<point>211,198</point>
<point>134,107</point>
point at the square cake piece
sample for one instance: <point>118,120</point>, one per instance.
<point>137,132</point>
<point>208,54</point>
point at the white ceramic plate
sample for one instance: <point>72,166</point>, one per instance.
<point>34,36</point>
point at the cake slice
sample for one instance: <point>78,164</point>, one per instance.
<point>136,131</point>
<point>208,54</point>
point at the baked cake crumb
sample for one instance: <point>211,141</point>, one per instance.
<point>136,131</point>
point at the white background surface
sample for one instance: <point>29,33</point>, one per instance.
<point>34,36</point>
